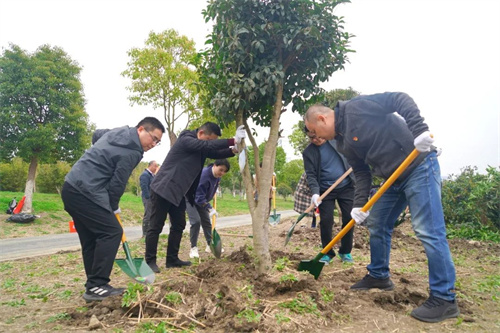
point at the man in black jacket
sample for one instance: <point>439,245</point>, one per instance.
<point>178,178</point>
<point>324,165</point>
<point>376,133</point>
<point>145,181</point>
<point>92,191</point>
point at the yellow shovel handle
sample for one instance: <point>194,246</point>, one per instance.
<point>374,199</point>
<point>124,239</point>
<point>215,207</point>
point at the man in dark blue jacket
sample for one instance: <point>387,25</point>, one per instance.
<point>324,165</point>
<point>145,181</point>
<point>376,133</point>
<point>178,178</point>
<point>92,191</point>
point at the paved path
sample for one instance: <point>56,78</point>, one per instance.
<point>17,248</point>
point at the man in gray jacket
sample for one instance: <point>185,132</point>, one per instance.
<point>376,140</point>
<point>92,191</point>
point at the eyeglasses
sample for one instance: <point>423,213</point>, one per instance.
<point>154,138</point>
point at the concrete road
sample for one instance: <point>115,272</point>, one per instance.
<point>17,248</point>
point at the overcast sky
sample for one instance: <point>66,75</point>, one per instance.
<point>443,53</point>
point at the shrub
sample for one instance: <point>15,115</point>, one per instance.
<point>472,200</point>
<point>50,178</point>
<point>13,175</point>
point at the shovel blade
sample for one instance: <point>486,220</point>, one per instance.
<point>290,231</point>
<point>312,266</point>
<point>275,218</point>
<point>137,269</point>
<point>216,244</point>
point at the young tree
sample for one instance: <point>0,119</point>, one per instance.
<point>264,55</point>
<point>163,76</point>
<point>42,116</point>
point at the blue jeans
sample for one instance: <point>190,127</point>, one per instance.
<point>421,191</point>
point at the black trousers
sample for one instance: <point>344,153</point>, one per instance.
<point>100,235</point>
<point>344,197</point>
<point>159,210</point>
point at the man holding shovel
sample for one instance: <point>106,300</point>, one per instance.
<point>324,165</point>
<point>92,191</point>
<point>375,139</point>
<point>178,179</point>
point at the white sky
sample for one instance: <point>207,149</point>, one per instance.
<point>443,53</point>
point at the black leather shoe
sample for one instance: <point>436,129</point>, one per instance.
<point>178,263</point>
<point>154,267</point>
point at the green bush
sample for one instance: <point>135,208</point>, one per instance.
<point>13,175</point>
<point>50,178</point>
<point>472,200</point>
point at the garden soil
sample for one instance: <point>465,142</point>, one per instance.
<point>228,295</point>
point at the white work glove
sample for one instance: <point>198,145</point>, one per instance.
<point>358,215</point>
<point>315,200</point>
<point>423,142</point>
<point>439,151</point>
<point>118,211</point>
<point>213,212</point>
<point>240,134</point>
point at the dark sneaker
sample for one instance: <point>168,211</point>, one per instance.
<point>369,282</point>
<point>436,309</point>
<point>102,292</point>
<point>178,263</point>
<point>154,267</point>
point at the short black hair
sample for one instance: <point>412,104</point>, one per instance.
<point>150,124</point>
<point>224,162</point>
<point>210,128</point>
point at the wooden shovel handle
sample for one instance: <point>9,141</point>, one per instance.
<point>334,185</point>
<point>124,239</point>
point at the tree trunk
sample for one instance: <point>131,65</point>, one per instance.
<point>172,137</point>
<point>259,209</point>
<point>30,186</point>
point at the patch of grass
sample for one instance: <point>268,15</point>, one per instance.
<point>130,295</point>
<point>249,315</point>
<point>326,295</point>
<point>281,263</point>
<point>173,298</point>
<point>15,303</point>
<point>301,305</point>
<point>58,317</point>
<point>281,318</point>
<point>288,278</point>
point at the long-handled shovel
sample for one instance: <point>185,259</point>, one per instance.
<point>315,266</point>
<point>275,218</point>
<point>311,207</point>
<point>136,268</point>
<point>216,243</point>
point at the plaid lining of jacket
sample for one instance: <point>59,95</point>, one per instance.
<point>302,196</point>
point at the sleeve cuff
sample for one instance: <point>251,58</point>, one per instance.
<point>230,142</point>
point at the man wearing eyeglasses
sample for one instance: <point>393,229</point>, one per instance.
<point>92,191</point>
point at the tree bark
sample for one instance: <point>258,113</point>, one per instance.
<point>30,186</point>
<point>259,209</point>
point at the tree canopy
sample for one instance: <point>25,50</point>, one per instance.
<point>42,115</point>
<point>163,75</point>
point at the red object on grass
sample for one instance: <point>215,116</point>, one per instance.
<point>72,226</point>
<point>19,206</point>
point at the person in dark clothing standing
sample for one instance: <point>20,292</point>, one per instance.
<point>201,212</point>
<point>178,179</point>
<point>145,181</point>
<point>92,191</point>
<point>376,133</point>
<point>324,165</point>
